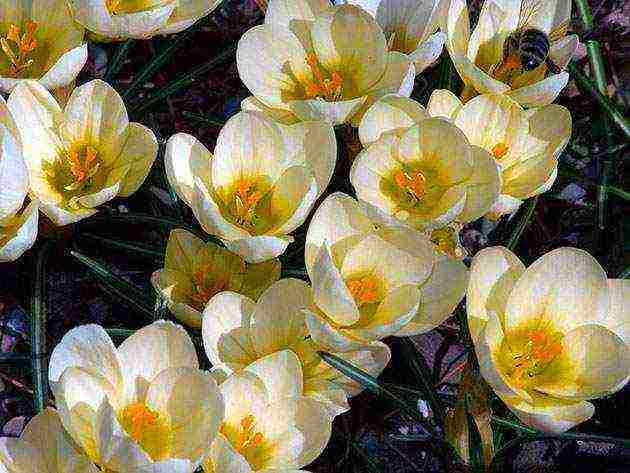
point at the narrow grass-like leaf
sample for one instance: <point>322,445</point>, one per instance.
<point>126,291</point>
<point>132,247</point>
<point>118,60</point>
<point>370,462</point>
<point>160,59</point>
<point>183,81</point>
<point>295,273</point>
<point>521,225</point>
<point>38,329</point>
<point>15,359</point>
<point>204,119</point>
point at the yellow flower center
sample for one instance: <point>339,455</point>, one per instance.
<point>326,85</point>
<point>412,182</point>
<point>500,150</point>
<point>248,441</point>
<point>364,289</point>
<point>18,45</point>
<point>530,353</point>
<point>247,203</point>
<point>447,239</point>
<point>148,428</point>
<point>399,41</point>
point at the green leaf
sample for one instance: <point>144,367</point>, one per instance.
<point>133,247</point>
<point>118,60</point>
<point>121,288</point>
<point>204,119</point>
<point>522,223</point>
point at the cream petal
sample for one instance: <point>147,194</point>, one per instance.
<point>335,113</point>
<point>335,35</point>
<point>184,158</point>
<point>151,350</point>
<point>181,250</point>
<point>566,287</point>
<point>477,78</point>
<point>243,394</point>
<point>417,18</point>
<point>187,13</point>
<point>457,28</point>
<point>546,15</point>
<point>370,6</point>
<point>61,216</point>
<point>25,236</point>
<point>298,189</point>
<point>281,374</point>
<point>269,60</point>
<point>563,50</point>
<point>294,15</point>
<point>13,173</point>
<point>552,124</point>
<point>107,193</point>
<point>618,318</point>
<point>224,314</point>
<point>594,362</point>
<point>191,400</point>
<point>552,415</point>
<point>485,48</point>
<point>278,321</point>
<point>493,274</point>
<point>140,150</point>
<point>260,248</point>
<point>505,204</point>
<point>390,114</point>
<point>280,115</point>
<point>443,103</point>
<point>330,338</point>
<point>440,295</point>
<point>66,69</point>
<point>224,459</point>
<point>17,456</point>
<point>337,219</point>
<point>428,52</point>
<point>87,347</point>
<point>312,144</point>
<point>542,92</point>
<point>209,215</point>
<point>482,188</point>
<point>330,291</point>
<point>176,287</point>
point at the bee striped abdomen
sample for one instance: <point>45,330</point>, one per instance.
<point>534,48</point>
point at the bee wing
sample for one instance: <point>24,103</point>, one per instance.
<point>528,11</point>
<point>559,31</point>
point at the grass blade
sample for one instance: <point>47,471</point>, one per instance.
<point>118,60</point>
<point>136,248</point>
<point>126,291</point>
<point>517,233</point>
<point>38,330</point>
<point>204,119</point>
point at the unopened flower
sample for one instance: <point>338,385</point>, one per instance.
<point>195,271</point>
<point>525,145</point>
<point>116,20</point>
<point>372,279</point>
<point>410,27</point>
<point>44,446</point>
<point>39,40</point>
<point>551,336</point>
<point>84,155</point>
<point>18,217</point>
<point>238,331</point>
<point>142,405</point>
<point>315,61</point>
<point>506,53</point>
<point>259,186</point>
<point>421,170</point>
<point>269,426</point>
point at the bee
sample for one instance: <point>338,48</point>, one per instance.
<point>526,49</point>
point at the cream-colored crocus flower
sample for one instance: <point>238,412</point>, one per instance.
<point>18,218</point>
<point>479,57</point>
<point>83,155</point>
<point>39,40</point>
<point>43,447</point>
<point>315,61</point>
<point>270,426</point>
<point>144,406</point>
<point>421,170</point>
<point>116,20</point>
<point>259,186</point>
<point>372,279</point>
<point>551,336</point>
<point>238,331</point>
<point>195,271</point>
<point>410,27</point>
<point>525,144</point>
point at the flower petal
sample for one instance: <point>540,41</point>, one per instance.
<point>66,69</point>
<point>483,187</point>
<point>260,248</point>
<point>24,237</point>
<point>542,92</point>
<point>187,13</point>
<point>618,319</point>
<point>330,338</point>
<point>335,113</point>
<point>443,103</point>
<point>140,150</point>
<point>281,374</point>
<point>181,250</point>
<point>428,52</point>
<point>551,415</point>
<point>186,157</point>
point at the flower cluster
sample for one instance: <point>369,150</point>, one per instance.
<point>387,262</point>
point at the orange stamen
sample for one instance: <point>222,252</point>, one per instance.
<point>320,85</point>
<point>414,182</point>
<point>500,150</point>
<point>364,290</point>
<point>25,43</point>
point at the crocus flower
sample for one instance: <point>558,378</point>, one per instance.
<point>549,337</point>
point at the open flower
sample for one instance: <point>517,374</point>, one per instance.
<point>269,426</point>
<point>84,155</point>
<point>116,20</point>
<point>238,331</point>
<point>551,336</point>
<point>39,41</point>
<point>195,271</point>
<point>410,27</point>
<point>372,280</point>
<point>525,145</point>
<point>18,218</point>
<point>480,57</point>
<point>43,447</point>
<point>259,186</point>
<point>315,61</point>
<point>143,405</point>
<point>421,170</point>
